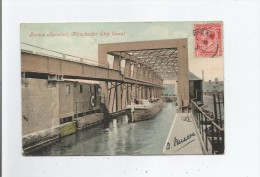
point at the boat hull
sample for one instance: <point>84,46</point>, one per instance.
<point>140,114</point>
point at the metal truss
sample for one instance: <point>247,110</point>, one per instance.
<point>162,61</point>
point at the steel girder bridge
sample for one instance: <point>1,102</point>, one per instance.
<point>152,61</point>
<point>138,69</point>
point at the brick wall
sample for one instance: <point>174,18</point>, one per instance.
<point>66,99</point>
<point>83,99</point>
<point>44,104</point>
<point>40,105</point>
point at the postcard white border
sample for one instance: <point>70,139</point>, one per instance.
<point>241,41</point>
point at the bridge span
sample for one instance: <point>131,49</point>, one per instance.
<point>137,71</point>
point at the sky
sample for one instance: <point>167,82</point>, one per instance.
<point>58,37</point>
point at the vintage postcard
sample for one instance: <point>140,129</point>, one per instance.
<point>143,88</point>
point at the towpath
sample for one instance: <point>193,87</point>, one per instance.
<point>184,137</point>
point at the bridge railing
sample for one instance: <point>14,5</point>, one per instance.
<point>210,126</point>
<point>63,56</point>
<point>28,48</point>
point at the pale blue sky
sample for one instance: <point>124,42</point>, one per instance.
<point>87,46</point>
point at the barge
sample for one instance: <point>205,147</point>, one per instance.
<point>141,109</point>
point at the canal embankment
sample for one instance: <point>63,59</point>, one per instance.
<point>119,138</point>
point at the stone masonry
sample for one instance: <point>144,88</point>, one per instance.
<point>40,105</point>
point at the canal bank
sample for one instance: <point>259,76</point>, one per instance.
<point>54,108</point>
<point>123,138</point>
<point>184,137</point>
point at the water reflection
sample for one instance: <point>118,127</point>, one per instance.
<point>140,138</point>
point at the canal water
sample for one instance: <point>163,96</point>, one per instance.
<point>140,138</point>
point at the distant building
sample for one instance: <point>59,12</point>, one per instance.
<point>169,89</point>
<point>210,86</point>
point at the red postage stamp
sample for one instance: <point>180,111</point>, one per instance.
<point>208,40</point>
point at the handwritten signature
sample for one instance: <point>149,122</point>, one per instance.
<point>181,141</point>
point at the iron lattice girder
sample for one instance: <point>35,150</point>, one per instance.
<point>161,61</point>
